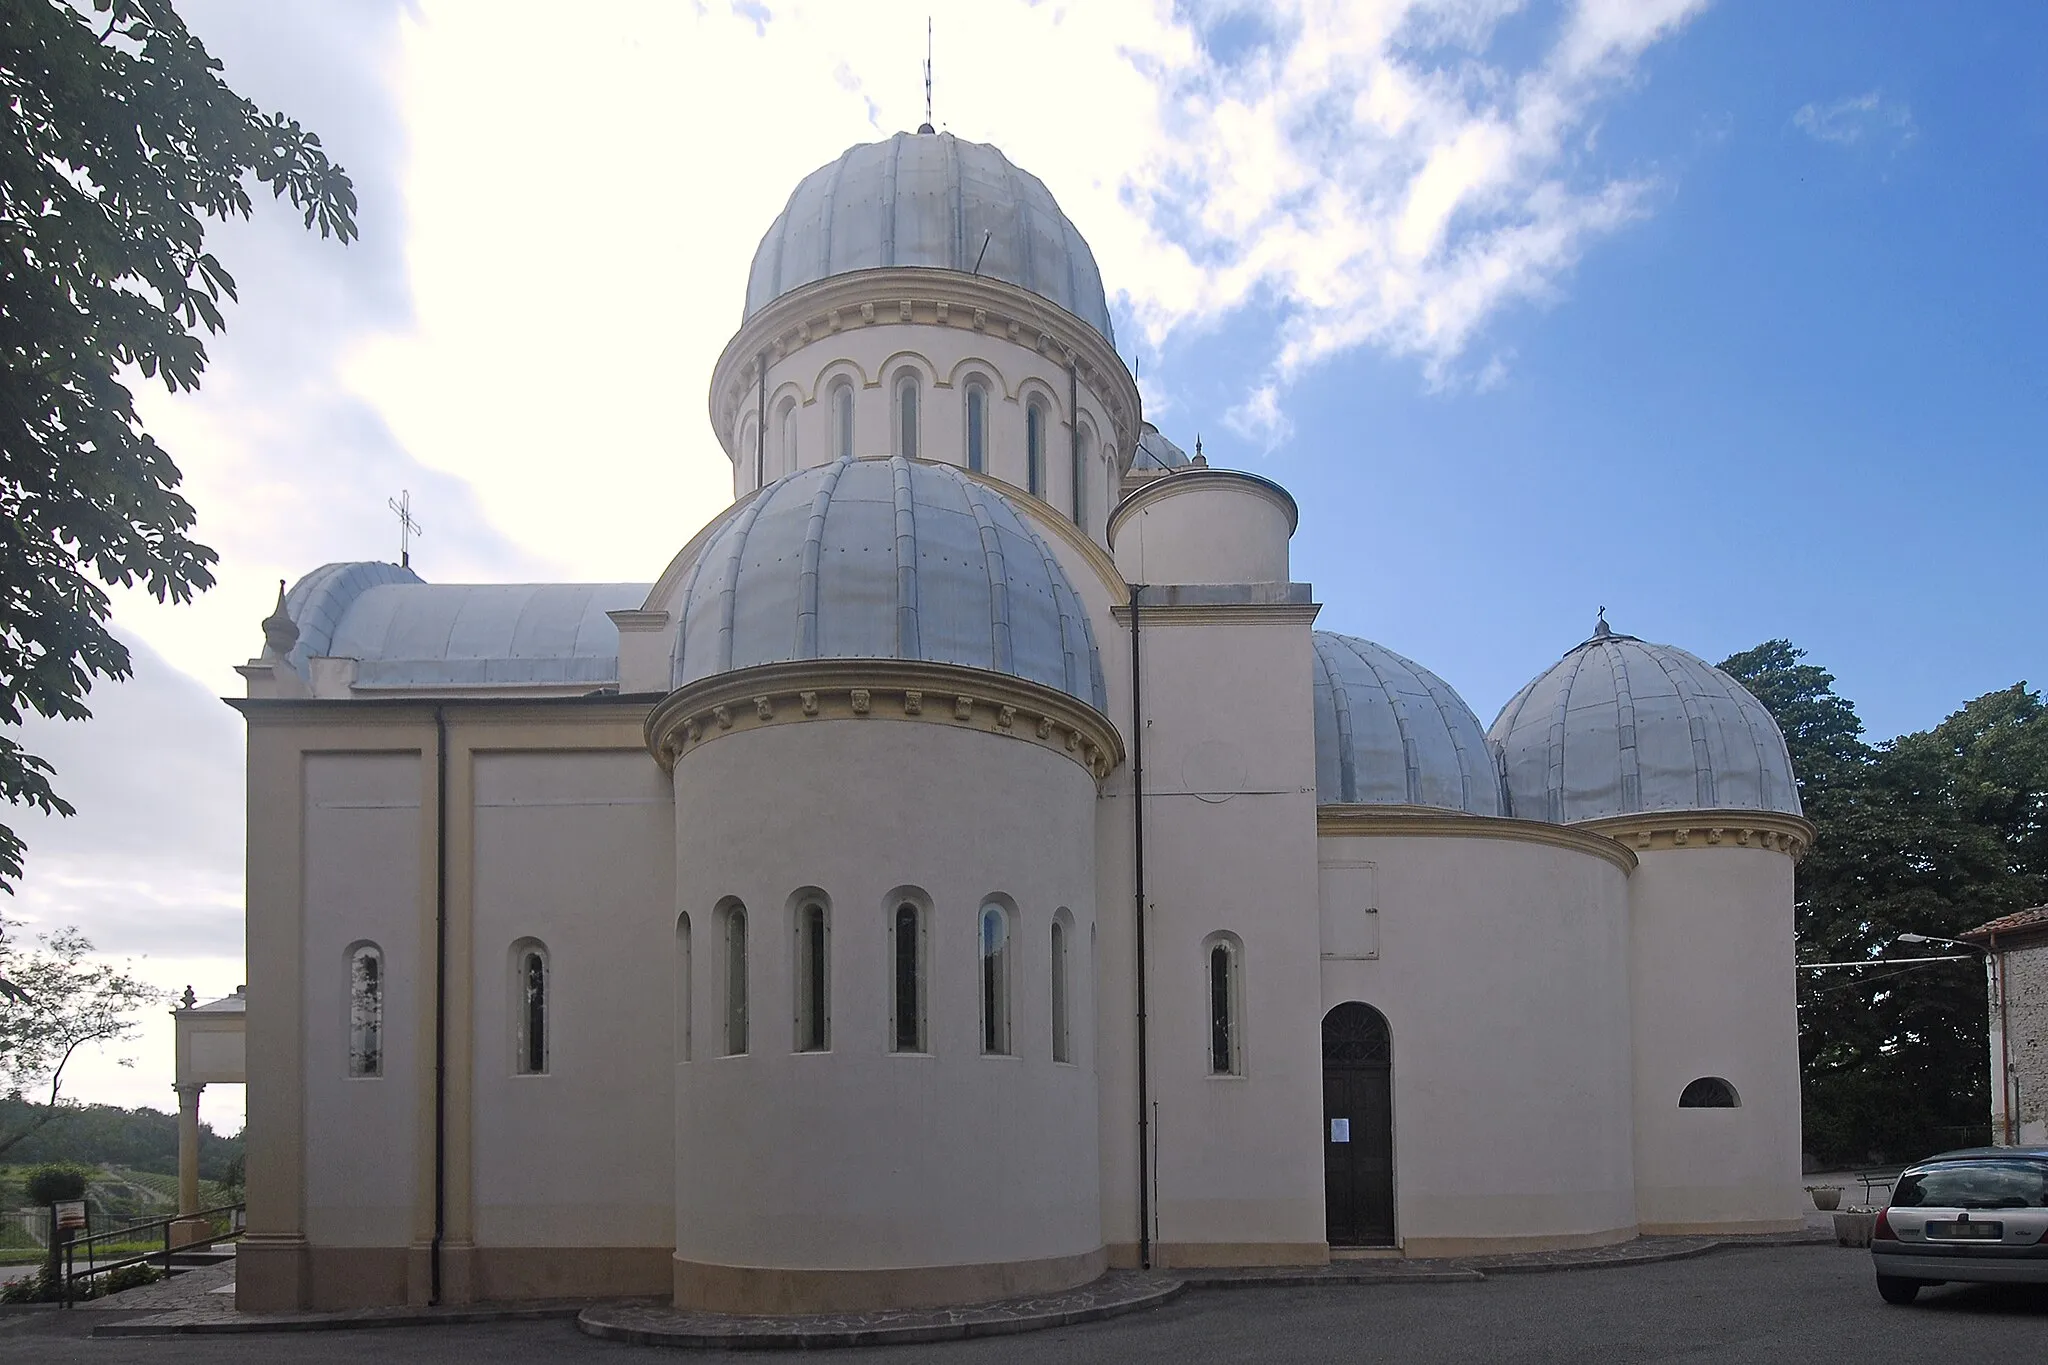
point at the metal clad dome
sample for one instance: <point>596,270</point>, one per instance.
<point>885,559</point>
<point>1390,732</point>
<point>929,199</point>
<point>1620,725</point>
<point>1156,452</point>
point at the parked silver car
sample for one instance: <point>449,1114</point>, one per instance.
<point>1978,1216</point>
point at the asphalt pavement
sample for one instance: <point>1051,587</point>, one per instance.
<point>1812,1303</point>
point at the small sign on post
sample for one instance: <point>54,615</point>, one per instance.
<point>70,1214</point>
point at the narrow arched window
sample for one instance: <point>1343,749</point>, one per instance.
<point>1709,1092</point>
<point>842,420</point>
<point>977,427</point>
<point>530,1004</point>
<point>995,979</point>
<point>1084,455</point>
<point>749,447</point>
<point>683,987</point>
<point>366,1010</point>
<point>787,437</point>
<point>1225,992</point>
<point>907,979</point>
<point>735,980</point>
<point>906,416</point>
<point>813,975</point>
<point>1034,449</point>
<point>1062,1048</point>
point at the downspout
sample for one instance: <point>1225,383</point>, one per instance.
<point>1138,870</point>
<point>761,426</point>
<point>1997,960</point>
<point>440,1004</point>
<point>1074,432</point>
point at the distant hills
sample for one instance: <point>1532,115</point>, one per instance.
<point>106,1134</point>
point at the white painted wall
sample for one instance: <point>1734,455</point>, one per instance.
<point>1713,992</point>
<point>1205,526</point>
<point>576,850</point>
<point>362,882</point>
<point>1502,969</point>
<point>944,358</point>
<point>858,1158</point>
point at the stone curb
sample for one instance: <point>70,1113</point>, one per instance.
<point>713,1331</point>
<point>1297,1279</point>
<point>340,1322</point>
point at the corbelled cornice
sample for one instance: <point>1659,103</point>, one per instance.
<point>880,691</point>
<point>1662,829</point>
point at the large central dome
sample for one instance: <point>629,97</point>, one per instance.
<point>934,200</point>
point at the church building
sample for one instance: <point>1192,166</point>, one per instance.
<point>965,867</point>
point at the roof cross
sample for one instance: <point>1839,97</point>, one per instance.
<point>407,527</point>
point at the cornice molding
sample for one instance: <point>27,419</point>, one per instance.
<point>1407,822</point>
<point>882,690</point>
<point>1666,829</point>
<point>923,296</point>
<point>1221,613</point>
<point>1195,477</point>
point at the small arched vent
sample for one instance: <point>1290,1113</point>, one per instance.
<point>1709,1092</point>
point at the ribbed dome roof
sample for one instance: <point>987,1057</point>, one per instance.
<point>1620,725</point>
<point>929,199</point>
<point>1390,732</point>
<point>885,559</point>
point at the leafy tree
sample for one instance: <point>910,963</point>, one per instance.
<point>121,141</point>
<point>1933,833</point>
<point>139,1139</point>
<point>69,1001</point>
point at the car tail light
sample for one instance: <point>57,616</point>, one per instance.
<point>1883,1231</point>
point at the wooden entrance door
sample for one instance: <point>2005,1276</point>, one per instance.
<point>1358,1126</point>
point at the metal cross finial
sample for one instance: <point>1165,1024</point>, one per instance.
<point>927,73</point>
<point>1601,630</point>
<point>407,527</point>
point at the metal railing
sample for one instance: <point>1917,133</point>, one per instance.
<point>88,1247</point>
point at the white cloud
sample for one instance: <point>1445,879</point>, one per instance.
<point>1259,419</point>
<point>1868,117</point>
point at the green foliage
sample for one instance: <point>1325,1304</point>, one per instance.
<point>127,1277</point>
<point>141,1142</point>
<point>67,1000</point>
<point>48,1185</point>
<point>121,141</point>
<point>1933,833</point>
<point>40,1287</point>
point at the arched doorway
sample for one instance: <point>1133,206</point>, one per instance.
<point>1358,1126</point>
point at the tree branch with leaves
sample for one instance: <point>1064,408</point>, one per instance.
<point>121,142</point>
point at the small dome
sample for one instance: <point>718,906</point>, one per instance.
<point>1390,732</point>
<point>929,199</point>
<point>1620,725</point>
<point>885,559</point>
<point>1156,452</point>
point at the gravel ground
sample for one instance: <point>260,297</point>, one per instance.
<point>1806,1303</point>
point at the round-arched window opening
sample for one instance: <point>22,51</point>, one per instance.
<point>1709,1092</point>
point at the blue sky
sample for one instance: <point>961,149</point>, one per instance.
<point>1722,316</point>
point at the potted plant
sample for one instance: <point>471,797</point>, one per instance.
<point>1826,1196</point>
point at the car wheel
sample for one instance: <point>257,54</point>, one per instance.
<point>1894,1290</point>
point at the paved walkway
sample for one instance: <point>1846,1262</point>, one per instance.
<point>202,1301</point>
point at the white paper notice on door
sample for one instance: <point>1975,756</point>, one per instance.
<point>1340,1130</point>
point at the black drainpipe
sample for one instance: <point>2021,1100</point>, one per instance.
<point>761,426</point>
<point>1074,427</point>
<point>440,1003</point>
<point>1138,867</point>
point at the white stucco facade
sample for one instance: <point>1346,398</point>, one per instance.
<point>963,866</point>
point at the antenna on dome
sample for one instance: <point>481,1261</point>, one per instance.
<point>407,527</point>
<point>926,126</point>
<point>986,236</point>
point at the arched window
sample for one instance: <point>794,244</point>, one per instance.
<point>842,420</point>
<point>907,956</point>
<point>749,448</point>
<point>530,1008</point>
<point>786,437</point>
<point>906,415</point>
<point>1034,449</point>
<point>1084,455</point>
<point>813,973</point>
<point>995,979</point>
<point>1223,964</point>
<point>735,980</point>
<point>1709,1092</point>
<point>977,426</point>
<point>366,1010</point>
<point>1062,930</point>
<point>683,987</point>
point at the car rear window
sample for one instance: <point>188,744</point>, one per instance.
<point>1975,1185</point>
